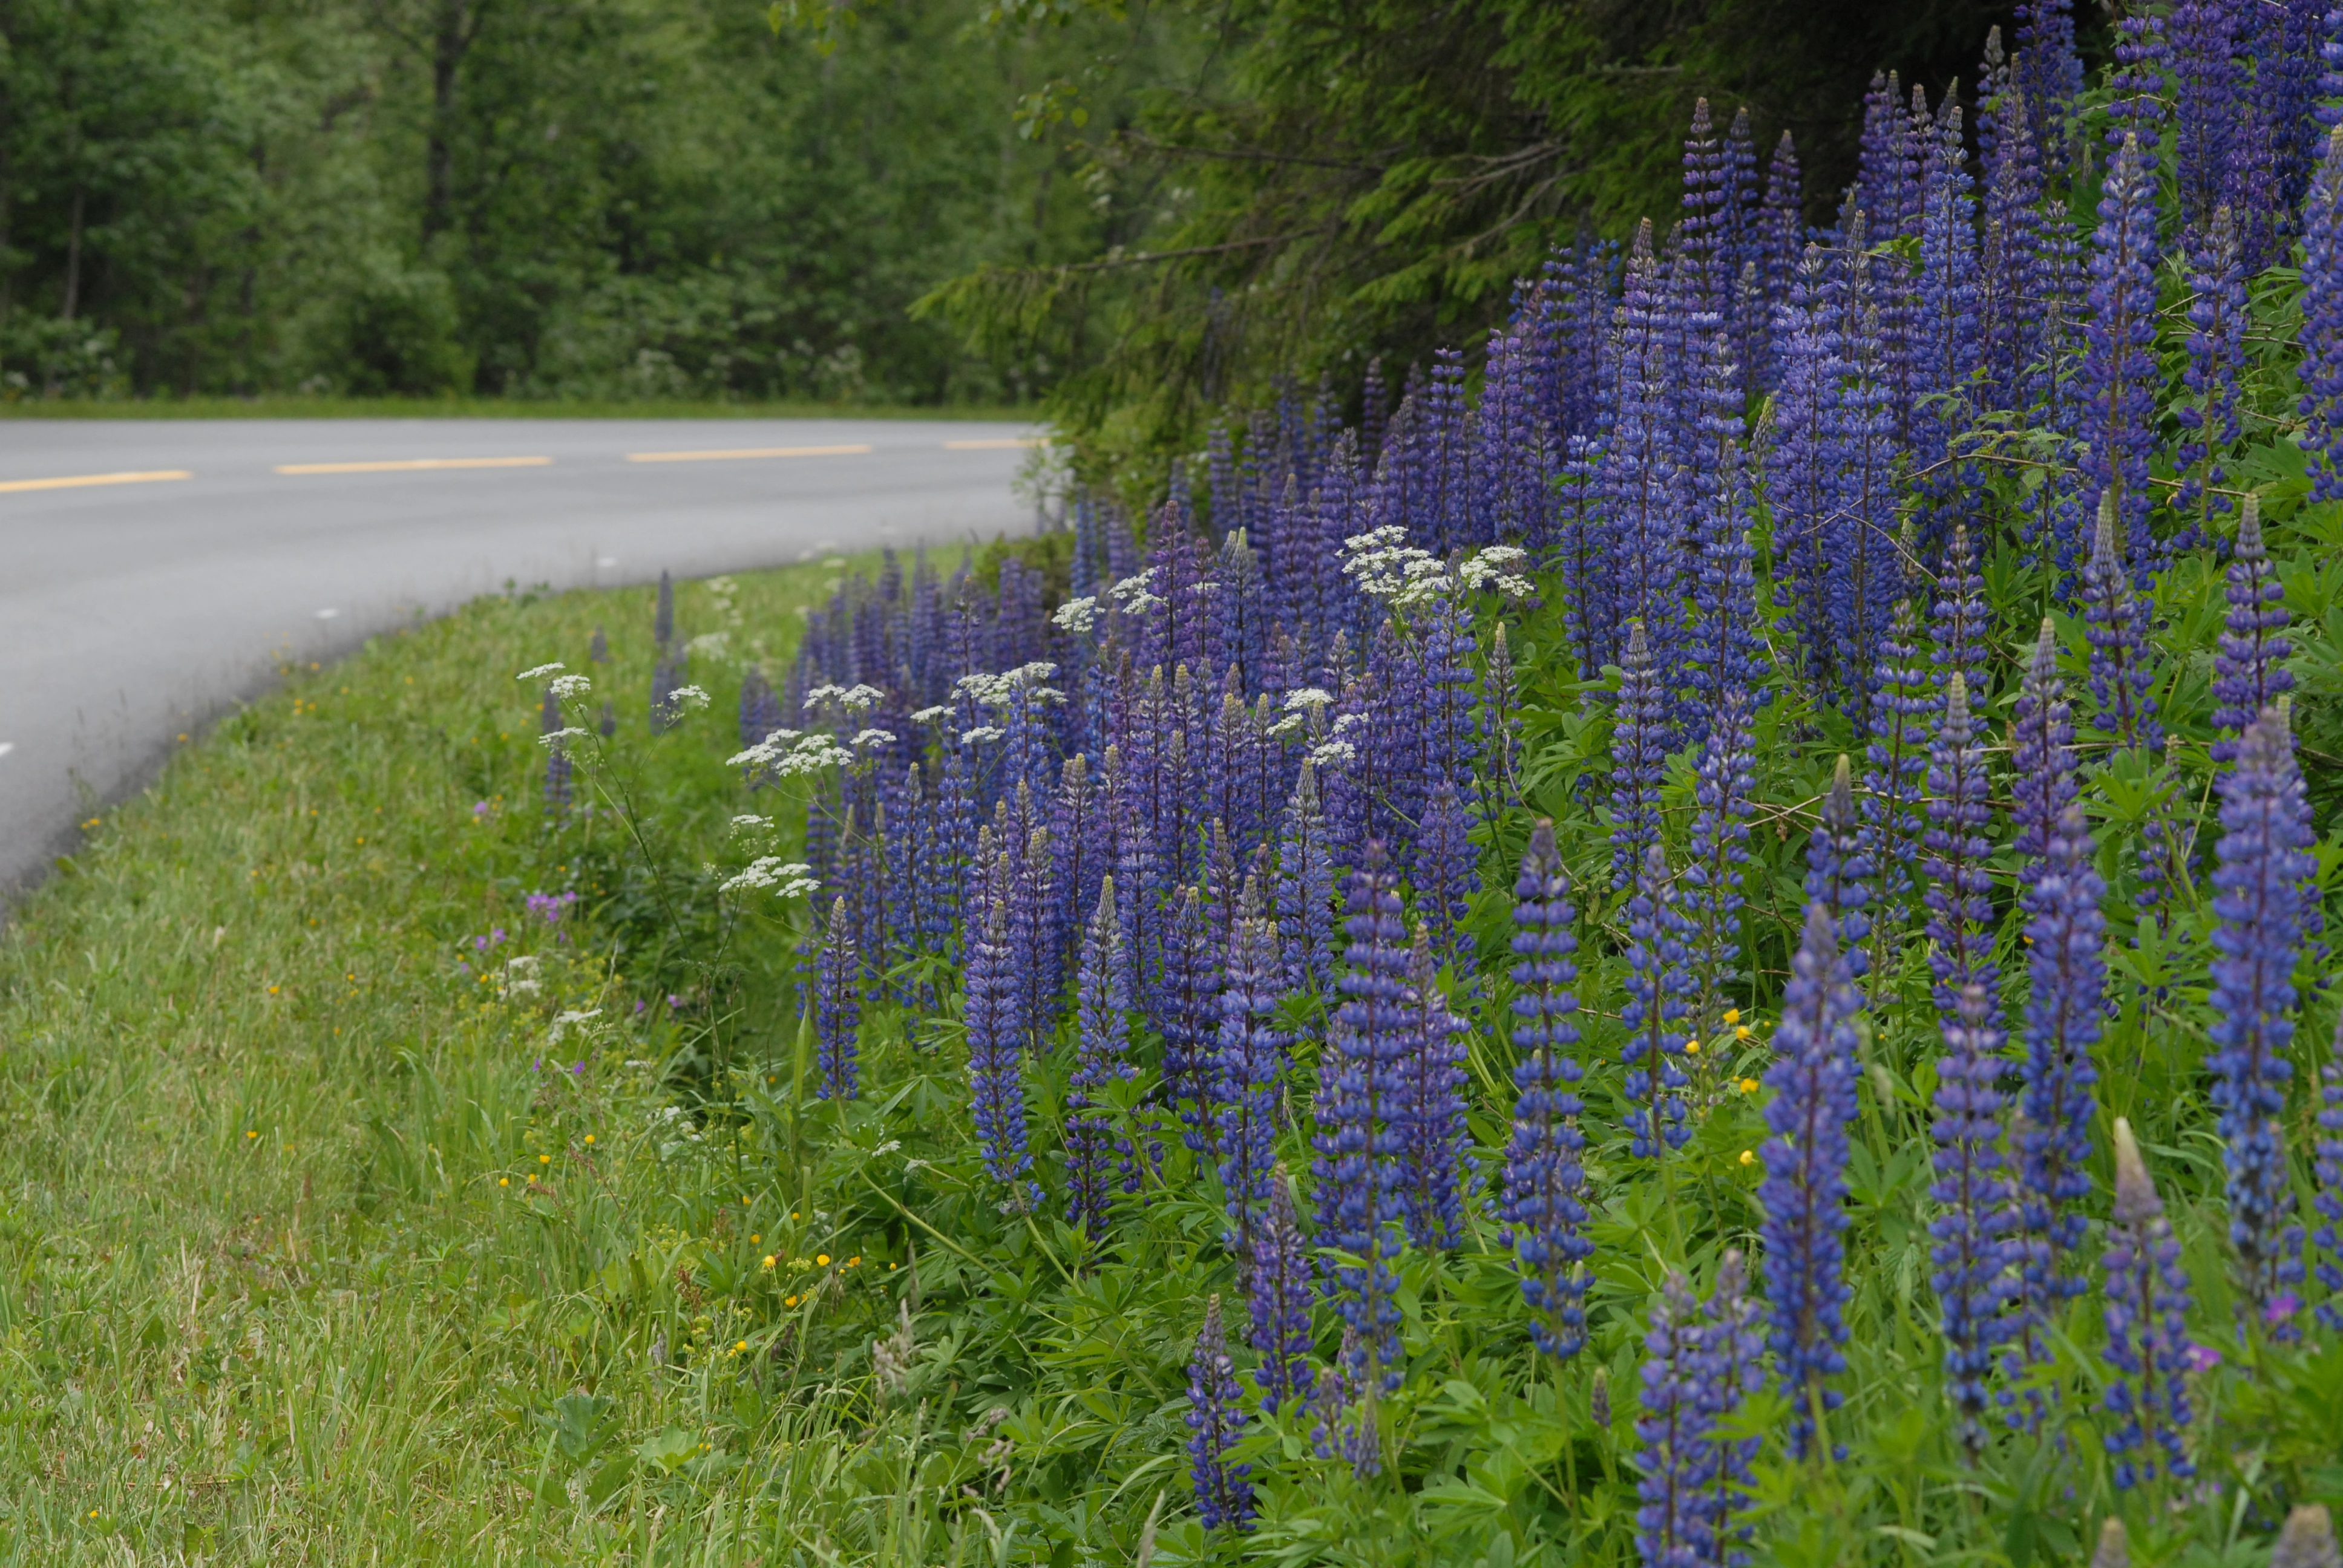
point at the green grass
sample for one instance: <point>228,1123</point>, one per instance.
<point>275,1282</point>
<point>303,407</point>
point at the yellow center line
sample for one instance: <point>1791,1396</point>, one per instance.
<point>76,481</point>
<point>996,446</point>
<point>403,465</point>
<point>727,455</point>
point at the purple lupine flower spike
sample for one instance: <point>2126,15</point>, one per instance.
<point>1896,786</point>
<point>1095,1153</point>
<point>2121,674</point>
<point>2209,419</point>
<point>1544,1208</point>
<point>1657,983</point>
<point>2261,903</point>
<point>1960,890</point>
<point>2250,673</point>
<point>1251,1067</point>
<point>1973,1252</point>
<point>1431,1108</point>
<point>1675,1453</point>
<point>1215,1421</point>
<point>2119,372</point>
<point>1306,888</point>
<point>1735,1351</point>
<point>1639,757</point>
<point>1278,1292</point>
<point>1803,1194</point>
<point>2328,1166</point>
<point>996,1056</point>
<point>2147,1303</point>
<point>1720,850</point>
<point>837,1005</point>
<point>2321,371</point>
<point>1839,868</point>
<point>1358,1110</point>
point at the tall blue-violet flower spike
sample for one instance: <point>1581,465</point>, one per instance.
<point>2066,1009</point>
<point>1190,1022</point>
<point>837,1005</point>
<point>1725,651</point>
<point>2206,39</point>
<point>2260,901</point>
<point>1895,779</point>
<point>1638,758</point>
<point>1358,1107</point>
<point>996,1057</point>
<point>1544,1207</point>
<point>1657,982</point>
<point>1803,1194</point>
<point>1251,1066</point>
<point>1431,1108</point>
<point>2147,1344</point>
<point>2121,673</point>
<point>1720,849</point>
<point>1446,870</point>
<point>2210,422</point>
<point>2120,373</point>
<point>559,790</point>
<point>1960,887</point>
<point>1305,889</point>
<point>1959,618</point>
<point>1972,1252</point>
<point>2250,673</point>
<point>2322,323</point>
<point>1735,1347</point>
<point>1215,1421</point>
<point>1277,1290</point>
<point>2328,1168</point>
<point>2042,750</point>
<point>1839,868</point>
<point>1096,1154</point>
<point>1674,1452</point>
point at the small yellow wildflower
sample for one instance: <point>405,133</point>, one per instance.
<point>249,1134</point>
<point>736,1349</point>
<point>769,1260</point>
<point>589,1137</point>
<point>1747,1158</point>
<point>504,1181</point>
<point>1692,1048</point>
<point>1741,1031</point>
<point>821,1259</point>
<point>853,1262</point>
<point>544,1159</point>
<point>1748,1086</point>
<point>1732,1015</point>
<point>791,1301</point>
<point>753,1240</point>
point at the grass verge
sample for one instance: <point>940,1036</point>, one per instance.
<point>319,1241</point>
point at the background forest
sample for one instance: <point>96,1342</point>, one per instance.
<point>1126,207</point>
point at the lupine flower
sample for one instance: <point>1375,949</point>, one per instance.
<point>1543,1207</point>
<point>2065,1011</point>
<point>1657,983</point>
<point>1959,619</point>
<point>1305,889</point>
<point>1644,499</point>
<point>663,616</point>
<point>1803,1194</point>
<point>2328,1165</point>
<point>2121,675</point>
<point>1895,779</point>
<point>1277,1293</point>
<point>2209,418</point>
<point>1973,1254</point>
<point>2042,750</point>
<point>2147,1303</point>
<point>837,1005</point>
<point>1638,757</point>
<point>1189,1019</point>
<point>2322,323</point>
<point>1839,868</point>
<point>1733,1350</point>
<point>1251,1067</point>
<point>2120,373</point>
<point>1431,1109</point>
<point>1358,1110</point>
<point>1095,1153</point>
<point>1960,890</point>
<point>996,1056</point>
<point>1215,1421</point>
<point>1676,1453</point>
<point>2307,1539</point>
<point>2250,673</point>
<point>1720,848</point>
<point>2260,903</point>
<point>1447,873</point>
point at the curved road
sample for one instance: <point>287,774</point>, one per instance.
<point>153,568</point>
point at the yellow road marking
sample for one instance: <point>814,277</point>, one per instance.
<point>996,446</point>
<point>76,481</point>
<point>726,455</point>
<point>402,465</point>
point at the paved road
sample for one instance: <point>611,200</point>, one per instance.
<point>137,608</point>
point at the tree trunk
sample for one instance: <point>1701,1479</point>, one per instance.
<point>455,25</point>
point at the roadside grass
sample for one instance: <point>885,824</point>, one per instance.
<point>303,407</point>
<point>314,1246</point>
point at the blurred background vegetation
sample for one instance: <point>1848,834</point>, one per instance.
<point>1129,214</point>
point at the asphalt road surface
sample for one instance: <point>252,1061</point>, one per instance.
<point>153,571</point>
